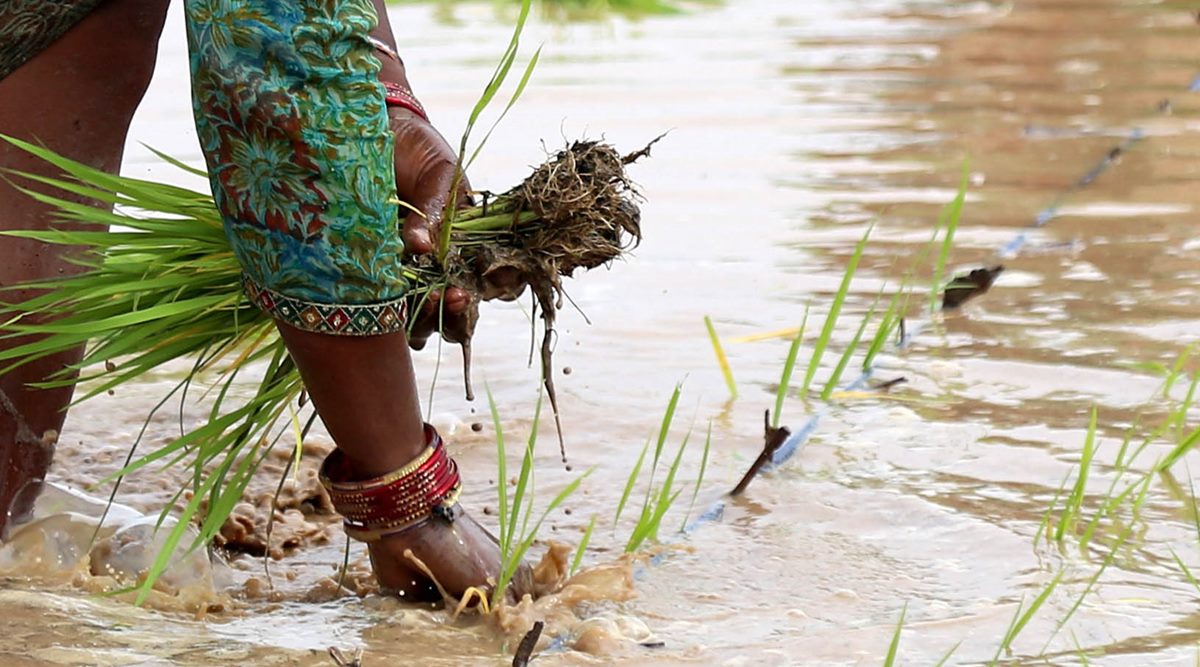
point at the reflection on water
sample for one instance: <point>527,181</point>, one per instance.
<point>794,126</point>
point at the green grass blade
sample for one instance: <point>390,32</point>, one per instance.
<point>894,647</point>
<point>699,478</point>
<point>785,380</point>
<point>946,658</point>
<point>511,102</point>
<point>583,544</point>
<point>835,309</point>
<point>844,361</point>
<point>630,482</point>
<point>513,563</point>
<point>501,474</point>
<point>1074,501</point>
<point>951,214</point>
<point>1024,615</point>
<point>525,478</point>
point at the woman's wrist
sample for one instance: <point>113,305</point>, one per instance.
<point>384,41</point>
<point>400,96</point>
<point>397,92</point>
<point>391,68</point>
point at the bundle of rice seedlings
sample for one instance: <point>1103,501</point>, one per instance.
<point>163,284</point>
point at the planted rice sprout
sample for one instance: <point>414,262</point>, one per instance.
<point>517,535</point>
<point>658,500</point>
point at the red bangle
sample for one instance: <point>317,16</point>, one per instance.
<point>372,509</point>
<point>399,96</point>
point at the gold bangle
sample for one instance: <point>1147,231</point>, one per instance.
<point>384,48</point>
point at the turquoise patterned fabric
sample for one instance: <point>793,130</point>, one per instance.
<point>27,27</point>
<point>293,125</point>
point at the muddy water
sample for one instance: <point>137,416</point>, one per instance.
<point>794,126</point>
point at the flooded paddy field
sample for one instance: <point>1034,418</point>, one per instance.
<point>794,126</point>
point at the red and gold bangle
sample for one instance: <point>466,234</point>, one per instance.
<point>399,96</point>
<point>372,509</point>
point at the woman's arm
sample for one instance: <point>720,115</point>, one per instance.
<point>393,67</point>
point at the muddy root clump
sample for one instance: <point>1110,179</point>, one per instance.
<point>578,210</point>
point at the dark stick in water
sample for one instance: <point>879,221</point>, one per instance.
<point>773,439</point>
<point>525,648</point>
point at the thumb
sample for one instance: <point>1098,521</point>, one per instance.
<point>422,230</point>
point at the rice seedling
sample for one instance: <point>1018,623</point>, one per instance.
<point>949,218</point>
<point>658,500</point>
<point>1108,560</point>
<point>1176,370</point>
<point>722,360</point>
<point>887,324</point>
<point>948,654</point>
<point>1178,418</point>
<point>1179,451</point>
<point>517,535</point>
<point>789,365</point>
<point>630,482</point>
<point>844,360</point>
<point>1083,659</point>
<point>1195,514</point>
<point>583,545</point>
<point>1187,572</point>
<point>1108,508</point>
<point>655,505</point>
<point>835,309</point>
<point>699,478</point>
<point>1058,626</point>
<point>894,647</point>
<point>1022,616</point>
<point>1074,502</point>
<point>1044,526</point>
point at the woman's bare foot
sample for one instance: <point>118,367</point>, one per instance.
<point>460,555</point>
<point>366,394</point>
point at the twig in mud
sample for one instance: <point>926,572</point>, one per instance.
<point>965,287</point>
<point>525,648</point>
<point>884,386</point>
<point>773,439</point>
<point>341,660</point>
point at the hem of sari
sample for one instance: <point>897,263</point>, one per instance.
<point>372,319</point>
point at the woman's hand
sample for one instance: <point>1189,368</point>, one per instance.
<point>425,173</point>
<point>425,169</point>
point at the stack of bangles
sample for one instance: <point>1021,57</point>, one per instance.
<point>372,509</point>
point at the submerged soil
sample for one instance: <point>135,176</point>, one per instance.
<point>794,127</point>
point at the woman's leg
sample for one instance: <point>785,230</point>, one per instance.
<point>301,160</point>
<point>77,98</point>
<point>366,393</point>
